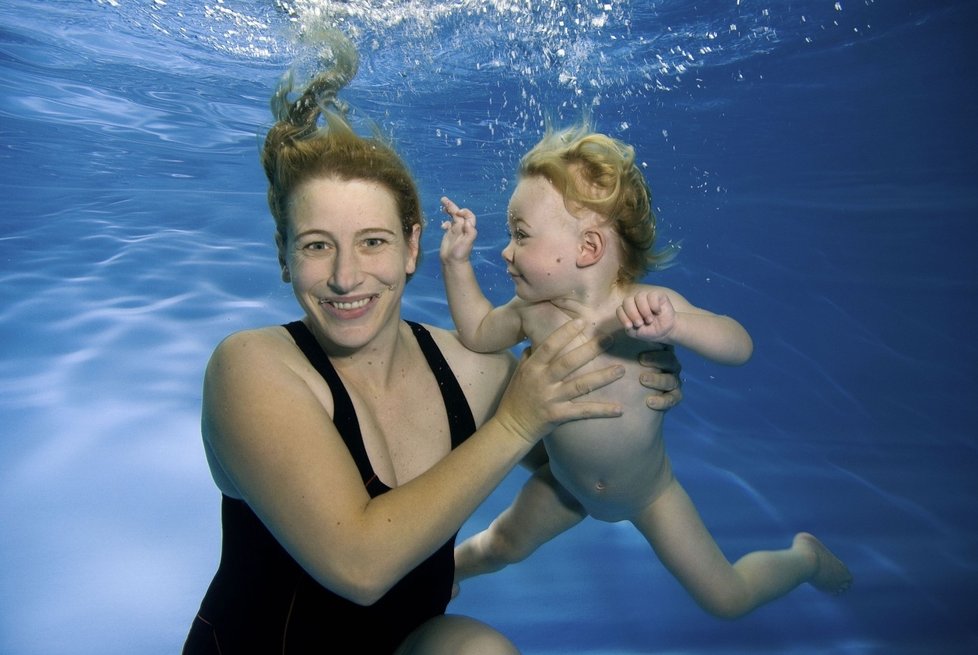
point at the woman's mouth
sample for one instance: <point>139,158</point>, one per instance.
<point>346,305</point>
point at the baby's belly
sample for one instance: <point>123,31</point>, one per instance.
<point>614,466</point>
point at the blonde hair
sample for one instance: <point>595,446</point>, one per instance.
<point>298,148</point>
<point>597,172</point>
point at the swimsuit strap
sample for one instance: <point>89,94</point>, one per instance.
<point>461,423</point>
<point>344,414</point>
<point>460,420</point>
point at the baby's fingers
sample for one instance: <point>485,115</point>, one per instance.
<point>448,206</point>
<point>627,321</point>
<point>457,213</point>
<point>645,307</point>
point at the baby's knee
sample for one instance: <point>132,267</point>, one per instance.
<point>727,605</point>
<point>506,546</point>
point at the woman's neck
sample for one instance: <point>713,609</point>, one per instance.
<point>375,363</point>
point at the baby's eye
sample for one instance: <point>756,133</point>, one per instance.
<point>519,235</point>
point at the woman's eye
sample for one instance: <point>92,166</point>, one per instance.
<point>374,242</point>
<point>316,246</point>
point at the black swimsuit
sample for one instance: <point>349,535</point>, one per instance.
<point>262,601</point>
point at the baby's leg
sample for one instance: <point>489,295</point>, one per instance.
<point>541,511</point>
<point>674,528</point>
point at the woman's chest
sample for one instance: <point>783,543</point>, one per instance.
<point>404,426</point>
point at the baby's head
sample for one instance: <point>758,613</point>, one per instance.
<point>596,172</point>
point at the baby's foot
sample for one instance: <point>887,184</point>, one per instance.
<point>831,575</point>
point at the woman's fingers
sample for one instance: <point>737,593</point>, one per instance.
<point>660,356</point>
<point>547,389</point>
<point>577,407</point>
<point>563,361</point>
<point>663,376</point>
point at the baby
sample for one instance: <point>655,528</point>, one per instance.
<point>581,235</point>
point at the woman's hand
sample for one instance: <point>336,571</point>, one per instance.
<point>663,376</point>
<point>545,390</point>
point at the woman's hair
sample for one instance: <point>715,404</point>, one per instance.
<point>300,147</point>
<point>597,172</point>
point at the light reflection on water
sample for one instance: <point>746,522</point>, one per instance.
<point>833,213</point>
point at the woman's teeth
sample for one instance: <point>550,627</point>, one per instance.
<point>356,304</point>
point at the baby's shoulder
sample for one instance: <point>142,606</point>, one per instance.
<point>643,287</point>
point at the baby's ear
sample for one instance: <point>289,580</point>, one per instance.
<point>592,248</point>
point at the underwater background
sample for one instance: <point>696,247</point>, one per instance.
<point>816,160</point>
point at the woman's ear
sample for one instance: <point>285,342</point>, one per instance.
<point>414,247</point>
<point>592,247</point>
<point>286,276</point>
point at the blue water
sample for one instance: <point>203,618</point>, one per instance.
<point>816,160</point>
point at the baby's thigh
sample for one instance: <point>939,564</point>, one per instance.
<point>673,527</point>
<point>456,635</point>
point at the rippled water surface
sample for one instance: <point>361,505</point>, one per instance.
<point>815,159</point>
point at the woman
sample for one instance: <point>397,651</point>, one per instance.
<point>350,446</point>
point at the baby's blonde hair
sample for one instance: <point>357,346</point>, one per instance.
<point>597,172</point>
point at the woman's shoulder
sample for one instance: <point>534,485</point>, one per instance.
<point>482,376</point>
<point>262,350</point>
<point>458,355</point>
<point>254,342</point>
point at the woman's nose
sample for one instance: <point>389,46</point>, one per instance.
<point>346,275</point>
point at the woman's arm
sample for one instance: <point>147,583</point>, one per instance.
<point>272,436</point>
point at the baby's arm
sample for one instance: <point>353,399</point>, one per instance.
<point>662,315</point>
<point>481,327</point>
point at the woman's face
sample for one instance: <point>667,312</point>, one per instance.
<point>348,259</point>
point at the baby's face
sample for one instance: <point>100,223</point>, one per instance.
<point>544,241</point>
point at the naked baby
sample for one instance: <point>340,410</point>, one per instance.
<point>582,233</point>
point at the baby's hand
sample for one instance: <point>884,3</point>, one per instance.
<point>648,315</point>
<point>460,233</point>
